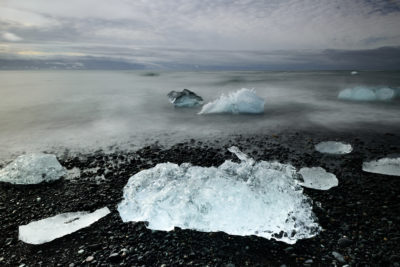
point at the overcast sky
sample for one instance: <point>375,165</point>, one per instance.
<point>243,33</point>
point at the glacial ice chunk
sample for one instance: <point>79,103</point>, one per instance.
<point>247,198</point>
<point>367,94</point>
<point>46,230</point>
<point>318,178</point>
<point>388,166</point>
<point>186,98</point>
<point>32,169</point>
<point>332,147</point>
<point>243,101</point>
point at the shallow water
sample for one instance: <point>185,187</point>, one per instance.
<point>80,110</point>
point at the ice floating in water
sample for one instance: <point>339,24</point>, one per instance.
<point>246,198</point>
<point>354,72</point>
<point>367,94</point>
<point>388,166</point>
<point>243,101</point>
<point>318,178</point>
<point>46,230</point>
<point>332,147</point>
<point>32,169</point>
<point>186,98</point>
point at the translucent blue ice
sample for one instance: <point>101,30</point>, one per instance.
<point>360,93</point>
<point>243,101</point>
<point>247,198</point>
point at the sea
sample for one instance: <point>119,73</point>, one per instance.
<point>79,110</point>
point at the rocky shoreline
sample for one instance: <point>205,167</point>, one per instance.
<point>360,217</point>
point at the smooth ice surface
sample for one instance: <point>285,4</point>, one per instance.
<point>186,98</point>
<point>32,169</point>
<point>46,230</point>
<point>318,178</point>
<point>388,166</point>
<point>367,94</point>
<point>247,198</point>
<point>332,147</point>
<point>243,101</point>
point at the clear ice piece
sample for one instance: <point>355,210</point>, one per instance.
<point>247,198</point>
<point>186,98</point>
<point>46,230</point>
<point>388,166</point>
<point>360,93</point>
<point>318,178</point>
<point>243,101</point>
<point>32,169</point>
<point>333,147</point>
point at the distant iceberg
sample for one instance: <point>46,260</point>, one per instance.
<point>360,93</point>
<point>354,72</point>
<point>388,166</point>
<point>318,178</point>
<point>186,98</point>
<point>32,169</point>
<point>243,101</point>
<point>332,147</point>
<point>247,198</point>
<point>46,230</point>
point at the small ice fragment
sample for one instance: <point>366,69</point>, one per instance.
<point>388,166</point>
<point>243,101</point>
<point>318,178</point>
<point>247,198</point>
<point>354,72</point>
<point>332,147</point>
<point>46,230</point>
<point>32,169</point>
<point>73,173</point>
<point>359,93</point>
<point>186,98</point>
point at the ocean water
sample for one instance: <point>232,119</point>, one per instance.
<point>89,110</point>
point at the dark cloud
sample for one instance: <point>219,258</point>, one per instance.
<point>385,58</point>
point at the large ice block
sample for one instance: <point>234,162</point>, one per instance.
<point>247,198</point>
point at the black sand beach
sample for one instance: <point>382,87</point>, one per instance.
<point>360,217</point>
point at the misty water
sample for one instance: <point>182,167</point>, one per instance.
<point>85,110</point>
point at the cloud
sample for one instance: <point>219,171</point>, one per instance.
<point>42,53</point>
<point>142,31</point>
<point>11,37</point>
<point>213,24</point>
